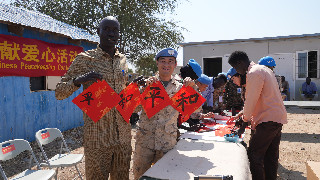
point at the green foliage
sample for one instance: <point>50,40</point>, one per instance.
<point>143,29</point>
<point>146,65</point>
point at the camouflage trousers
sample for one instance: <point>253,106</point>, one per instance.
<point>113,160</point>
<point>143,158</point>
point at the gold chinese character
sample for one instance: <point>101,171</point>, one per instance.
<point>62,56</point>
<point>8,51</point>
<point>48,55</point>
<point>72,55</point>
<point>31,52</point>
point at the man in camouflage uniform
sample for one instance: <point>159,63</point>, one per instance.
<point>158,135</point>
<point>107,143</point>
<point>232,97</point>
<point>218,84</point>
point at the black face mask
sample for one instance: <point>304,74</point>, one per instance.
<point>187,71</point>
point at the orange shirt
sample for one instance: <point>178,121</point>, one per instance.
<point>263,99</point>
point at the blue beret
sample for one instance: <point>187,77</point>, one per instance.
<point>231,72</point>
<point>195,67</point>
<point>204,79</point>
<point>168,52</point>
<point>267,61</point>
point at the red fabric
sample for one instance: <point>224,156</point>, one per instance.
<point>97,100</point>
<point>186,101</point>
<point>223,130</point>
<point>154,98</point>
<point>32,58</point>
<point>130,99</point>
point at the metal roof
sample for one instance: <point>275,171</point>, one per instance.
<point>35,19</point>
<point>316,35</point>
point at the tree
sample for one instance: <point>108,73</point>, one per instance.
<point>143,30</point>
<point>146,65</point>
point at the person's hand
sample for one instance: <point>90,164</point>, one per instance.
<point>188,82</point>
<point>150,81</point>
<point>242,128</point>
<point>140,81</point>
<point>86,78</point>
<point>208,115</point>
<point>239,122</point>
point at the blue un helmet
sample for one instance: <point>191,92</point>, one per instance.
<point>195,67</point>
<point>167,52</point>
<point>231,72</point>
<point>204,79</point>
<point>267,61</point>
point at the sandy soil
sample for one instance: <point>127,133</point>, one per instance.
<point>300,143</point>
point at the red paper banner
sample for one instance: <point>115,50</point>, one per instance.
<point>186,101</point>
<point>130,99</point>
<point>97,100</point>
<point>154,98</point>
<point>31,58</point>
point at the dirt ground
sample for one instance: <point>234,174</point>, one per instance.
<point>300,143</point>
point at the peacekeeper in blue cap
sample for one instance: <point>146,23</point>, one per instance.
<point>232,95</point>
<point>269,62</point>
<point>158,135</point>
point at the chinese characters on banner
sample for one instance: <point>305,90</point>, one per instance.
<point>97,100</point>
<point>30,57</point>
<point>130,99</point>
<point>186,101</point>
<point>154,98</point>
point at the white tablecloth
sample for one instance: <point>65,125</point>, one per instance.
<point>191,158</point>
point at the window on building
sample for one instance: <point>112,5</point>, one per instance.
<point>38,83</point>
<point>44,83</point>
<point>307,64</point>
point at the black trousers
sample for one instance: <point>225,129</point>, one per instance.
<point>263,151</point>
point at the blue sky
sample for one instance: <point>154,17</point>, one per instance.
<point>213,20</point>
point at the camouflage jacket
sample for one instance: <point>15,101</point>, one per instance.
<point>232,98</point>
<point>160,132</point>
<point>111,129</point>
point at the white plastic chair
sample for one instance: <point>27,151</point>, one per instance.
<point>46,136</point>
<point>11,149</point>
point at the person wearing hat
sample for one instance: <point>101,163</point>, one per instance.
<point>158,135</point>
<point>217,96</point>
<point>192,70</point>
<point>232,95</point>
<point>202,83</point>
<point>269,62</point>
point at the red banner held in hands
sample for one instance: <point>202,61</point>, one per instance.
<point>97,100</point>
<point>186,101</point>
<point>130,99</point>
<point>154,98</point>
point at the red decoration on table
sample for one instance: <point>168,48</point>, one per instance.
<point>130,99</point>
<point>97,100</point>
<point>154,98</point>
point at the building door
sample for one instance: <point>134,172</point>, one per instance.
<point>212,66</point>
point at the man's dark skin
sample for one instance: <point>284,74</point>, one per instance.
<point>308,81</point>
<point>108,31</point>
